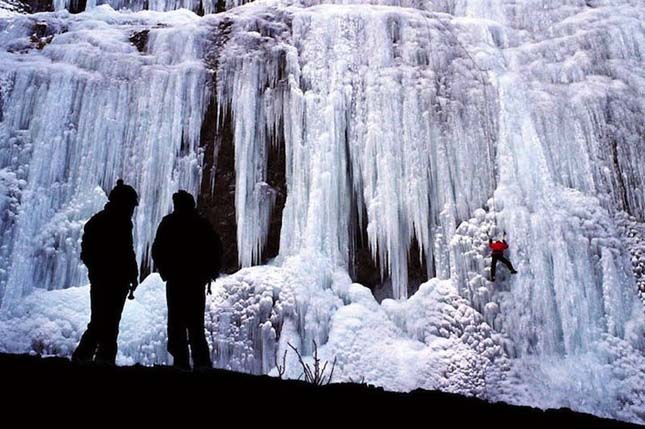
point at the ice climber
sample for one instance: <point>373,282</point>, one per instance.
<point>497,248</point>
<point>107,252</point>
<point>187,253</point>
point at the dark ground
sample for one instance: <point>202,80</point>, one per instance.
<point>53,392</point>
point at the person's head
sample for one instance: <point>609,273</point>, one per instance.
<point>123,198</point>
<point>183,202</point>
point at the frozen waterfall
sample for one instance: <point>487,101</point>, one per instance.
<point>88,109</point>
<point>420,127</point>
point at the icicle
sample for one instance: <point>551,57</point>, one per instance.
<point>117,114</point>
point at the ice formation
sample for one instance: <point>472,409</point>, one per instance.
<point>436,124</point>
<point>197,6</point>
<point>76,115</point>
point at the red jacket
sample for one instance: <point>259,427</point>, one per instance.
<point>498,246</point>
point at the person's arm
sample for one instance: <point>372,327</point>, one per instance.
<point>133,271</point>
<point>214,250</point>
<point>159,249</point>
<point>88,243</point>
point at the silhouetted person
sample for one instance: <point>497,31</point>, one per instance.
<point>187,253</point>
<point>498,248</point>
<point>108,253</point>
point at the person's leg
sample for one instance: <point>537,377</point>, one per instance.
<point>493,265</point>
<point>508,264</point>
<point>114,302</point>
<point>87,346</point>
<point>177,338</point>
<point>198,344</point>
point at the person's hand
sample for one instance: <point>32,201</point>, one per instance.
<point>133,285</point>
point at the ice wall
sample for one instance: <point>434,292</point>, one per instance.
<point>566,168</point>
<point>437,123</point>
<point>83,111</point>
<point>561,88</point>
<point>363,132</point>
<point>200,7</point>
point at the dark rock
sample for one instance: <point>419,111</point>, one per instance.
<point>42,36</point>
<point>140,40</point>
<point>217,196</point>
<point>40,5</point>
<point>77,6</point>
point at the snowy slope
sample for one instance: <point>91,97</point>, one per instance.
<point>437,123</point>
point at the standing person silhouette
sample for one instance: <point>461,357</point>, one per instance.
<point>107,251</point>
<point>187,253</point>
<point>497,248</point>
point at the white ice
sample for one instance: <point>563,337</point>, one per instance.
<point>440,123</point>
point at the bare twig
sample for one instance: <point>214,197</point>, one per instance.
<point>317,374</point>
<point>331,375</point>
<point>281,368</point>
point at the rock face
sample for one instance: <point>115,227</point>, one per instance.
<point>140,40</point>
<point>217,197</point>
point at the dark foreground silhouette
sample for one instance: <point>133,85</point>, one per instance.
<point>224,398</point>
<point>187,253</point>
<point>108,253</point>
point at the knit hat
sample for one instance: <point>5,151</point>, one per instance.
<point>123,195</point>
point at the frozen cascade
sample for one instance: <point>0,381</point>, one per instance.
<point>581,283</point>
<point>349,100</point>
<point>388,120</point>
<point>76,116</point>
<point>438,123</point>
<point>198,6</point>
<point>251,86</point>
<point>416,84</point>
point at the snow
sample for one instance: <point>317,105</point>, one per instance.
<point>438,123</point>
<point>52,322</point>
<point>434,340</point>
